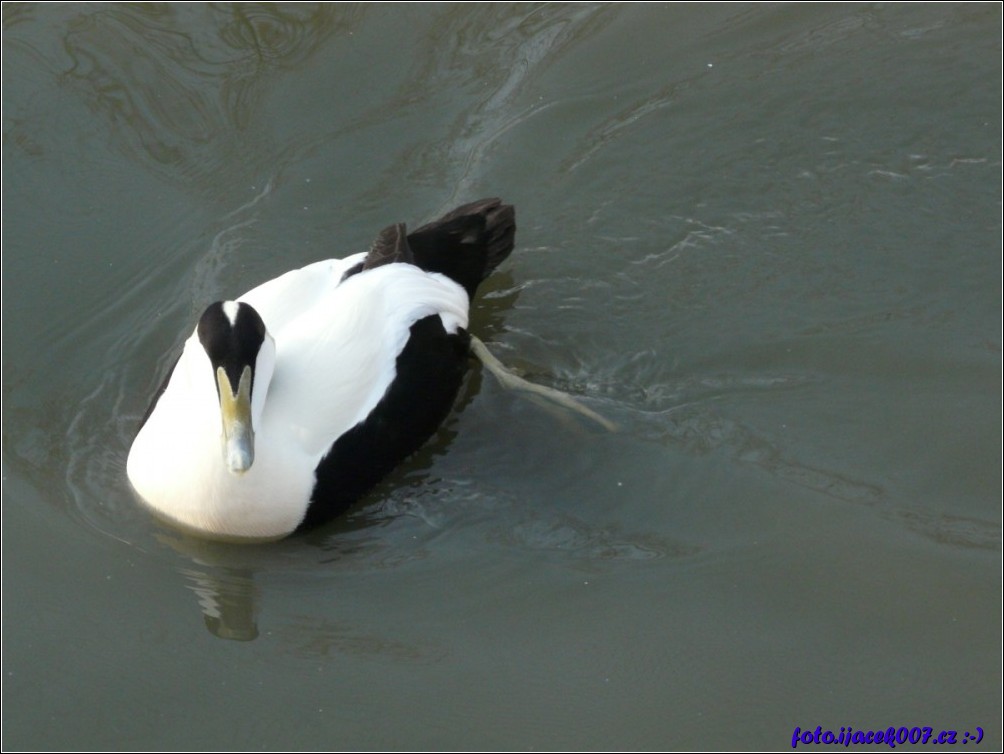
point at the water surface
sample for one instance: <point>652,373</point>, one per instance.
<point>763,240</point>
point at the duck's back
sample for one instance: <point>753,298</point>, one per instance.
<point>335,361</point>
<point>416,389</point>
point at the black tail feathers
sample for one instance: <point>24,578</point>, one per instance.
<point>466,244</point>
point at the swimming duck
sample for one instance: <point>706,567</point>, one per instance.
<point>290,402</point>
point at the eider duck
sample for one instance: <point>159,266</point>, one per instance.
<point>290,402</point>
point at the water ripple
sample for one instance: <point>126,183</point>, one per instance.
<point>181,101</point>
<point>501,52</point>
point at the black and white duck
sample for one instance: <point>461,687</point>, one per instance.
<point>290,402</point>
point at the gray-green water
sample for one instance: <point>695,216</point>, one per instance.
<point>765,240</point>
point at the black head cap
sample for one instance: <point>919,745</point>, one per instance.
<point>231,332</point>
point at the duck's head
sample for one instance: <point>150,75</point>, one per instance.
<point>242,354</point>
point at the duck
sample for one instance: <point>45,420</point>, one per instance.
<point>290,402</point>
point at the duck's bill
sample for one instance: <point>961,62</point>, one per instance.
<point>235,410</point>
